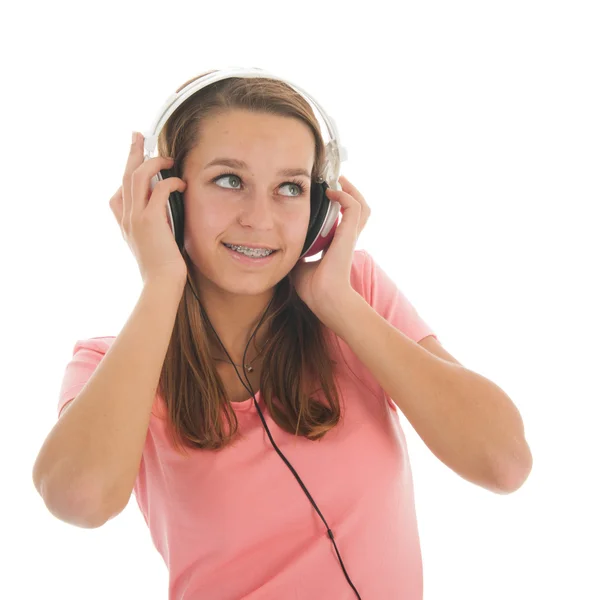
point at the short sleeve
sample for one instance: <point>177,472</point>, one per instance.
<point>387,300</point>
<point>87,355</point>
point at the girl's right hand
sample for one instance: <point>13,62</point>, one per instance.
<point>142,216</point>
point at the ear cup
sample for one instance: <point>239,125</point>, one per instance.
<point>319,204</point>
<point>176,204</point>
<point>176,207</point>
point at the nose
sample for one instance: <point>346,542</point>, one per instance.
<point>257,211</point>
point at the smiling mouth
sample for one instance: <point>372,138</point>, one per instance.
<point>261,249</point>
<point>250,252</point>
<point>250,246</point>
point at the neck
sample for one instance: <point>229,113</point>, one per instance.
<point>234,321</point>
<point>253,354</point>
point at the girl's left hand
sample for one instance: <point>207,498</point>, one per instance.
<point>324,283</point>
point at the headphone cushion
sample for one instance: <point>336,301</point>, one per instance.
<point>176,203</point>
<point>319,205</point>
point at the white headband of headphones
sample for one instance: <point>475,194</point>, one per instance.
<point>335,152</point>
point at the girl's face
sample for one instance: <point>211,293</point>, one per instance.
<point>249,202</point>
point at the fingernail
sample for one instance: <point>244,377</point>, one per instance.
<point>134,137</point>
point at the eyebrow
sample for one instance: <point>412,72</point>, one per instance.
<point>240,164</point>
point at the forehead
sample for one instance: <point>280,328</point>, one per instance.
<point>239,121</point>
<point>244,135</point>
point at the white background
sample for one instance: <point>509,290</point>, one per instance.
<point>473,132</point>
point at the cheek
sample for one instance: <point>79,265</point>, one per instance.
<point>294,227</point>
<point>298,222</point>
<point>300,231</point>
<point>203,218</point>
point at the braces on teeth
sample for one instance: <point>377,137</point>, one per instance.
<point>250,251</point>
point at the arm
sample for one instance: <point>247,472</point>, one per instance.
<point>87,466</point>
<point>466,420</point>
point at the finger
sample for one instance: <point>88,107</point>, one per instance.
<point>365,208</point>
<point>140,181</point>
<point>134,160</point>
<point>135,157</point>
<point>344,239</point>
<point>354,192</point>
<point>162,191</point>
<point>350,206</point>
<point>136,179</point>
<point>116,204</point>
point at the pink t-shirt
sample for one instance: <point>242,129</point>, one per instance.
<point>236,524</point>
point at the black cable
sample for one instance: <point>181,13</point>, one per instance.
<point>329,531</point>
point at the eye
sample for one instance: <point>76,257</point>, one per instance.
<point>230,176</point>
<point>297,183</point>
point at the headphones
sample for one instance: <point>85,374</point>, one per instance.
<point>323,212</point>
<point>322,223</point>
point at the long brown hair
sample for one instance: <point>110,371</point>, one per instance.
<point>297,358</point>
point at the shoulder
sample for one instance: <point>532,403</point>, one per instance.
<point>369,279</point>
<point>98,345</point>
<point>361,265</point>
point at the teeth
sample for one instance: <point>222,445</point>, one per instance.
<point>252,252</point>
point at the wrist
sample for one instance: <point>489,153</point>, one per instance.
<point>342,309</point>
<point>168,284</point>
